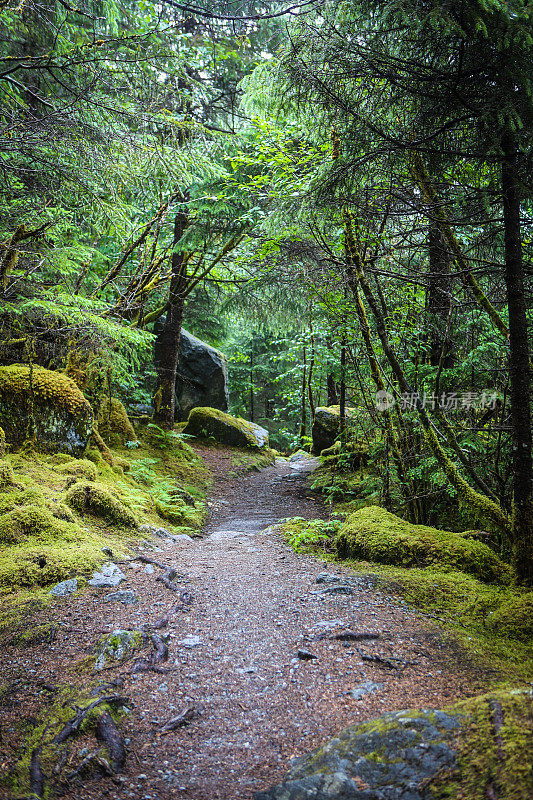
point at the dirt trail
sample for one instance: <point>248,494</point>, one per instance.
<point>255,605</point>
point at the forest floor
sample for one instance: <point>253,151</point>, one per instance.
<point>234,651</point>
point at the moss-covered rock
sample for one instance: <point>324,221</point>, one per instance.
<point>114,425</point>
<point>514,618</point>
<point>374,534</point>
<point>464,751</point>
<point>94,498</point>
<point>49,408</point>
<point>224,428</point>
<point>30,520</point>
<point>116,647</point>
<point>79,468</point>
<point>326,426</point>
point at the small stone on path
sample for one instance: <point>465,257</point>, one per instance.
<point>190,641</point>
<point>109,575</point>
<point>362,689</point>
<point>65,587</point>
<point>126,596</point>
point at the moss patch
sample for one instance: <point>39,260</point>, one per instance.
<point>79,468</point>
<point>233,431</point>
<point>94,498</point>
<point>45,407</point>
<point>374,534</point>
<point>114,425</point>
<point>494,749</point>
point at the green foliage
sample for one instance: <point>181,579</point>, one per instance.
<point>308,536</point>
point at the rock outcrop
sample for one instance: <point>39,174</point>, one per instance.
<point>202,377</point>
<point>46,406</point>
<point>224,428</point>
<point>475,745</point>
<point>326,426</point>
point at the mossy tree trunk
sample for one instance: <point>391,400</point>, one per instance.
<point>482,505</point>
<point>439,300</point>
<point>519,369</point>
<point>168,341</point>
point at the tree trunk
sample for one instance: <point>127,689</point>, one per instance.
<point>303,408</point>
<point>438,300</point>
<point>520,385</point>
<point>342,389</point>
<point>252,403</point>
<point>168,341</point>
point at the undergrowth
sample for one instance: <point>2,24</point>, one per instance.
<point>60,516</point>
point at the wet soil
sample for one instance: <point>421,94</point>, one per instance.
<point>255,604</point>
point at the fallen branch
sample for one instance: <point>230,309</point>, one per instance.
<point>168,579</point>
<point>181,720</point>
<point>146,560</point>
<point>391,662</point>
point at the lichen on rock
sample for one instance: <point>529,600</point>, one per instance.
<point>45,406</point>
<point>374,534</point>
<point>224,428</point>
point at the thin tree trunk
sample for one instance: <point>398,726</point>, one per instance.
<point>520,382</point>
<point>168,340</point>
<point>252,399</point>
<point>438,300</point>
<point>303,407</point>
<point>342,388</point>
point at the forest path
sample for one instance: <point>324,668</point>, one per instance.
<point>255,604</point>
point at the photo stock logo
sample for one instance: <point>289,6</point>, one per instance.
<point>384,400</point>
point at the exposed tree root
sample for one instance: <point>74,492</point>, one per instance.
<point>108,733</point>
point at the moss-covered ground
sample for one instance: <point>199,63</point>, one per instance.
<point>60,517</point>
<point>455,580</point>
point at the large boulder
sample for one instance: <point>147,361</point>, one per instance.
<point>49,407</point>
<point>373,534</point>
<point>226,429</point>
<point>202,377</point>
<point>423,755</point>
<point>327,425</point>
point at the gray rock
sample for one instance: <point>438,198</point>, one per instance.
<point>341,589</point>
<point>110,575</point>
<point>61,417</point>
<point>306,655</point>
<point>125,596</point>
<point>155,530</point>
<point>116,647</point>
<point>326,577</point>
<point>362,689</point>
<point>202,377</point>
<point>413,747</point>
<point>149,569</point>
<point>190,641</point>
<point>65,587</point>
<point>326,427</point>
